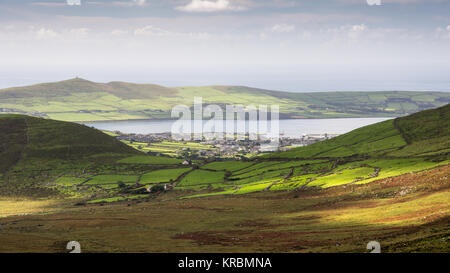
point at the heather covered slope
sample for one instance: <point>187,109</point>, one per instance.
<point>81,100</point>
<point>409,213</point>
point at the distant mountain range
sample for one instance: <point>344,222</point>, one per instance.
<point>82,100</point>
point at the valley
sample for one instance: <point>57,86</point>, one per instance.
<point>387,182</point>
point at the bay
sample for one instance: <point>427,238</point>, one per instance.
<point>294,128</point>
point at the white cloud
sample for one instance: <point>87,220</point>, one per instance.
<point>283,3</point>
<point>74,2</point>
<point>140,2</point>
<point>8,27</point>
<point>49,4</point>
<point>47,33</point>
<point>131,3</point>
<point>356,31</point>
<point>79,32</point>
<point>359,28</point>
<point>306,35</point>
<point>409,1</point>
<point>209,6</point>
<point>118,32</point>
<point>262,36</point>
<point>44,33</point>
<point>358,2</point>
<point>151,31</point>
<point>443,33</point>
<point>283,28</point>
<point>363,35</point>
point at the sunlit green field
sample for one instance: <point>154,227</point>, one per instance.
<point>202,178</point>
<point>168,148</point>
<point>153,160</point>
<point>159,176</point>
<point>109,179</point>
<point>359,172</point>
<point>227,165</point>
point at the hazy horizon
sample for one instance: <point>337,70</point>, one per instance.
<point>286,45</point>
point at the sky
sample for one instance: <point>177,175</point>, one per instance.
<point>291,45</point>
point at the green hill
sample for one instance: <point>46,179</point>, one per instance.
<point>43,157</point>
<point>386,149</point>
<point>25,137</point>
<point>82,100</point>
<point>420,134</point>
<point>36,149</point>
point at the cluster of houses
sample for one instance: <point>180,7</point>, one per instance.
<point>229,148</point>
<point>17,111</point>
<point>145,138</point>
<point>306,139</point>
<point>9,110</point>
<point>226,148</point>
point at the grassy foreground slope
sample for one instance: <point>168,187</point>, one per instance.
<point>409,213</point>
<point>82,100</point>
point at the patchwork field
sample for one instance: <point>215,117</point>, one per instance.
<point>152,160</point>
<point>199,178</point>
<point>168,175</point>
<point>227,165</point>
